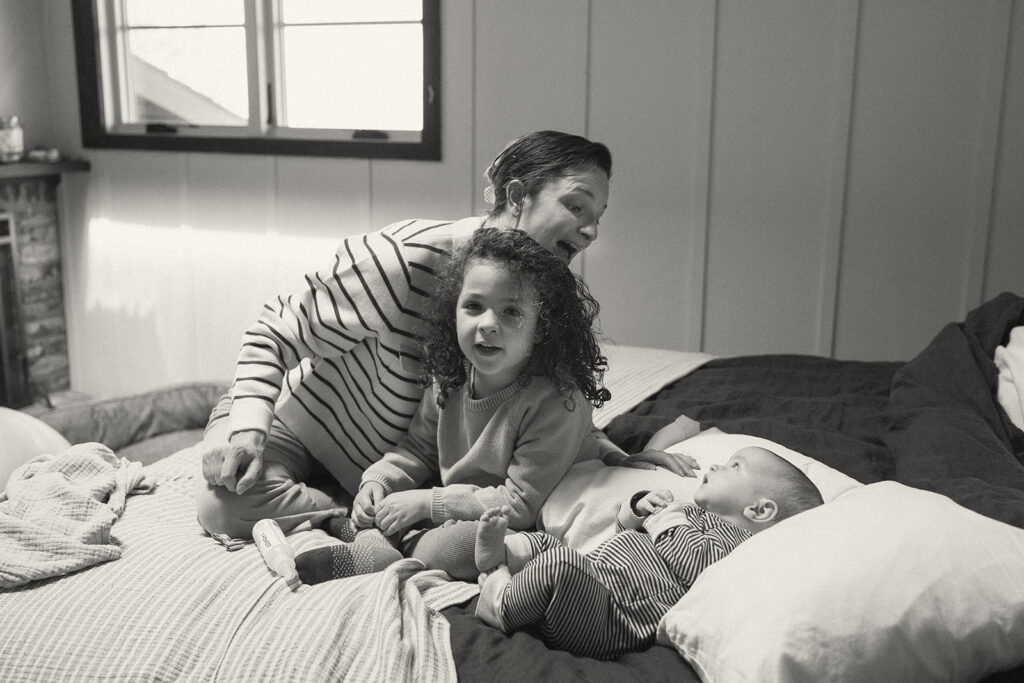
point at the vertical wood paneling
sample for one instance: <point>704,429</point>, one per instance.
<point>847,21</point>
<point>992,80</point>
<point>442,189</point>
<point>1005,271</point>
<point>775,93</point>
<point>650,99</point>
<point>837,178</point>
<point>530,73</point>
<point>919,113</point>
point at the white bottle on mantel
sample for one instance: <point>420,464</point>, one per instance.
<point>276,551</point>
<point>12,140</point>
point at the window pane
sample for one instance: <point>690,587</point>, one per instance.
<point>190,75</point>
<point>340,11</point>
<point>330,83</point>
<point>184,12</point>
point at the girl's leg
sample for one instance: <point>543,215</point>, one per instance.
<point>282,493</point>
<point>449,547</point>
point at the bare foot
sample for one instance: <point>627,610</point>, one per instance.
<point>490,540</point>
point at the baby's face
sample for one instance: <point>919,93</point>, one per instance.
<point>727,489</point>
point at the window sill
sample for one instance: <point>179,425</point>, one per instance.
<point>39,169</point>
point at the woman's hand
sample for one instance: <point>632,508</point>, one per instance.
<point>677,463</point>
<point>401,510</point>
<point>364,507</point>
<point>242,455</point>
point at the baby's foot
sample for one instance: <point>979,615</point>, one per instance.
<point>490,540</point>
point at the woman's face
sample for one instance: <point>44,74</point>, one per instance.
<point>563,216</point>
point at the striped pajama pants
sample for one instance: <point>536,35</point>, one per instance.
<point>599,605</point>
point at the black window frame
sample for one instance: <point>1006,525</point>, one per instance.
<point>363,144</point>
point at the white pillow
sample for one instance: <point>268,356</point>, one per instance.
<point>582,508</point>
<point>1009,360</point>
<point>886,582</point>
<point>23,437</point>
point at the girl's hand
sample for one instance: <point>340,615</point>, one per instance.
<point>654,501</point>
<point>677,463</point>
<point>401,510</point>
<point>364,507</point>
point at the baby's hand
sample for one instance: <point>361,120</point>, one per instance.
<point>654,501</point>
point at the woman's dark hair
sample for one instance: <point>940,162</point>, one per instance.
<point>566,348</point>
<point>537,157</point>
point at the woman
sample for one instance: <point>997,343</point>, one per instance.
<point>328,378</point>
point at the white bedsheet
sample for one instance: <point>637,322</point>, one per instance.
<point>177,606</point>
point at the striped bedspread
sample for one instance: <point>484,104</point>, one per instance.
<point>636,372</point>
<point>177,607</point>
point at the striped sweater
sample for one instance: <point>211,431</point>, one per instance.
<point>338,361</point>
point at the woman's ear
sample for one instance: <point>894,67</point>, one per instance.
<point>762,511</point>
<point>515,192</point>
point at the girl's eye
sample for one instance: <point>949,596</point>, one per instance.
<point>513,312</point>
<point>574,208</point>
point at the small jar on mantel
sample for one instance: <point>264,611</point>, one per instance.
<point>12,140</point>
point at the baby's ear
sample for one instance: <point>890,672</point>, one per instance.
<point>762,511</point>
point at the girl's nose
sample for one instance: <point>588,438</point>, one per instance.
<point>488,322</point>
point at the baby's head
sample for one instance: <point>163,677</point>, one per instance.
<point>756,489</point>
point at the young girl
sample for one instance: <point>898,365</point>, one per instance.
<point>515,369</point>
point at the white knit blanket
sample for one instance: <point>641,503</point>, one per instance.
<point>57,512</point>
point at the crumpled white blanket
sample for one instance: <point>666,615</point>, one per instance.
<point>58,510</point>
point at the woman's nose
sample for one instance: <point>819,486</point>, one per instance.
<point>589,231</point>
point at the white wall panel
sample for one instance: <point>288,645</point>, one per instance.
<point>920,114</point>
<point>650,102</point>
<point>1005,270</point>
<point>778,82</point>
<point>529,73</point>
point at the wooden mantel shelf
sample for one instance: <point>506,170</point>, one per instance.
<point>37,169</point>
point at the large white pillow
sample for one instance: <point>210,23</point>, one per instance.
<point>582,508</point>
<point>23,437</point>
<point>886,582</point>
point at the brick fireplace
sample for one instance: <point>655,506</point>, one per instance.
<point>33,335</point>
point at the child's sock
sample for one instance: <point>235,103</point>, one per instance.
<point>492,592</point>
<point>342,528</point>
<point>369,552</point>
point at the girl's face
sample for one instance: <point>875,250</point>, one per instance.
<point>563,216</point>
<point>496,322</point>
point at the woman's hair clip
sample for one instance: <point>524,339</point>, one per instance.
<point>489,194</point>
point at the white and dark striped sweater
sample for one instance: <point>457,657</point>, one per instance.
<point>338,361</point>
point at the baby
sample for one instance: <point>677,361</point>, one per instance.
<point>610,601</point>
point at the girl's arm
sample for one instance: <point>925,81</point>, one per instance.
<point>414,461</point>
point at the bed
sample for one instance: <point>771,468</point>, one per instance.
<point>911,570</point>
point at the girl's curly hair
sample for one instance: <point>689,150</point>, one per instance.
<point>566,348</point>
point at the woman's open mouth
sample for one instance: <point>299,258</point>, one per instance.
<point>569,249</point>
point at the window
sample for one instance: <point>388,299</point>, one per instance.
<point>309,77</point>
